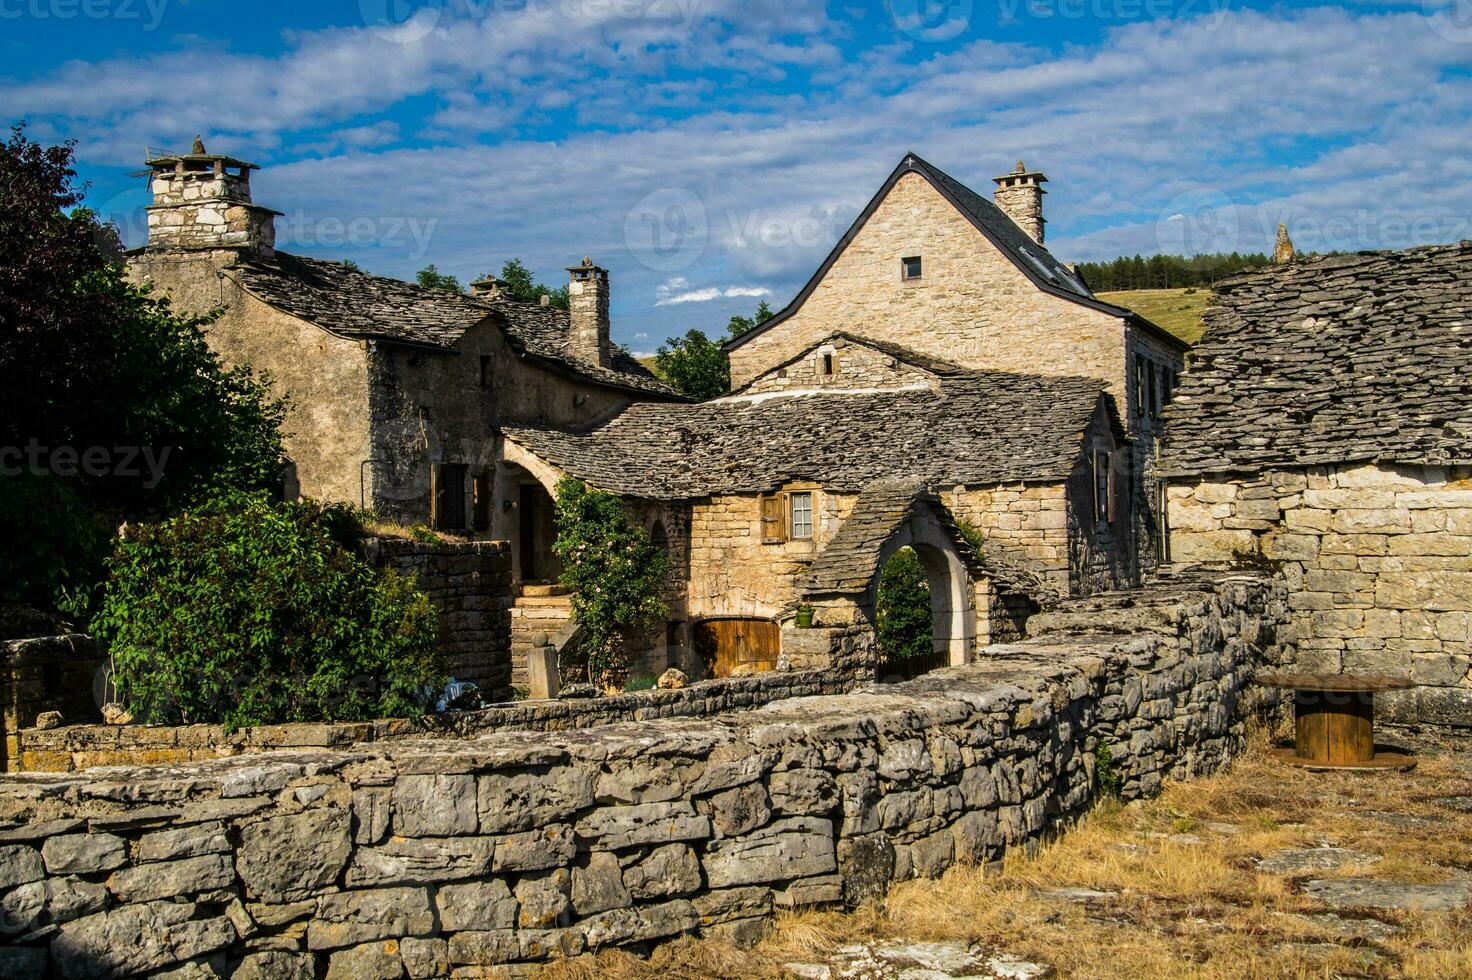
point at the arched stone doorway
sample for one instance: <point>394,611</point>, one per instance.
<point>525,515</point>
<point>948,580</point>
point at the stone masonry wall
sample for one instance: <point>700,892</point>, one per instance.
<point>47,673</point>
<point>469,584</point>
<point>466,855</point>
<point>1378,564</point>
<point>971,306</point>
<point>855,366</point>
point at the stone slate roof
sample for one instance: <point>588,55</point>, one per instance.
<point>850,560</point>
<point>980,428</point>
<point>1351,358</point>
<point>350,303</point>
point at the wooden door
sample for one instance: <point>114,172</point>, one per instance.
<point>725,644</point>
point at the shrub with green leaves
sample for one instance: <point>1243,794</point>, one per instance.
<point>902,609</point>
<point>614,572</point>
<point>245,612</point>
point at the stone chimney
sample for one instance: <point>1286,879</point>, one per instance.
<point>488,287</point>
<point>587,305</point>
<point>1283,248</point>
<point>1020,195</point>
<point>202,200</point>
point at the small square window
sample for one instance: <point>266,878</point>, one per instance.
<point>800,509</point>
<point>910,267</point>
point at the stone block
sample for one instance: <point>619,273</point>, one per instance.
<point>617,827</point>
<point>545,901</point>
<point>640,924</point>
<point>520,801</point>
<point>370,961</point>
<point>1431,544</point>
<point>1431,591</point>
<point>665,871</point>
<point>541,671</point>
<point>534,850</point>
<point>403,860</point>
<point>1290,547</point>
<point>1373,521</point>
<point>475,905</point>
<point>354,917</point>
<point>83,853</point>
<point>598,885</point>
<point>132,939</point>
<point>1356,499</point>
<point>797,847</point>
<point>294,856</point>
<point>167,879</point>
<point>49,902</point>
<point>424,959</point>
<point>435,805</point>
<point>194,840</point>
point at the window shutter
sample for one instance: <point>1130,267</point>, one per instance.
<point>1109,460</point>
<point>774,523</point>
<point>482,503</point>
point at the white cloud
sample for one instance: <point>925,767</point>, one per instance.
<point>677,290</point>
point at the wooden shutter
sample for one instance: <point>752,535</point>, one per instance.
<point>774,522</point>
<point>436,495</point>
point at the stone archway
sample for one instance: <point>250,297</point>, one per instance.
<point>952,590</point>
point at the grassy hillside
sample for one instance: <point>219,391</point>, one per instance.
<point>1177,310</point>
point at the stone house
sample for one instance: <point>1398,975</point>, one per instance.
<point>1326,424</point>
<point>397,392</point>
<point>935,267</point>
<point>798,486</point>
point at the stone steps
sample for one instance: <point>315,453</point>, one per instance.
<point>540,609</point>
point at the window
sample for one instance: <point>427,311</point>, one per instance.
<point>447,496</point>
<point>487,370</point>
<point>800,509</point>
<point>1153,388</point>
<point>1103,487</point>
<point>827,365</point>
<point>910,267</point>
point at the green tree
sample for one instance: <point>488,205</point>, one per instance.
<point>695,365</point>
<point>92,364</point>
<point>431,278</point>
<point>523,288</point>
<point>614,572</point>
<point>245,612</point>
<point>741,324</point>
<point>902,609</point>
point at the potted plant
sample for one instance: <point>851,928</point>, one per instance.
<point>804,615</point>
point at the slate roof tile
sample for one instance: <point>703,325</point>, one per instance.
<point>351,303</point>
<point>1348,358</point>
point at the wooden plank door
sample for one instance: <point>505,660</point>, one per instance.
<point>726,644</point>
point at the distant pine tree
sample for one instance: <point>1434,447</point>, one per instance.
<point>1168,271</point>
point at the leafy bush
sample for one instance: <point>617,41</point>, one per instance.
<point>613,571</point>
<point>644,682</point>
<point>246,612</point>
<point>903,608</point>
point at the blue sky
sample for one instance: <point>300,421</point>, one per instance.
<point>709,152</point>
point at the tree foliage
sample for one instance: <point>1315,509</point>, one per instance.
<point>245,612</point>
<point>92,363</point>
<point>696,365</point>
<point>1168,271</point>
<point>432,278</point>
<point>614,572</point>
<point>521,287</point>
<point>902,609</point>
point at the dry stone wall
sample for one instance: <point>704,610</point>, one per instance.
<point>469,584</point>
<point>458,856</point>
<point>47,673</point>
<point>1378,564</point>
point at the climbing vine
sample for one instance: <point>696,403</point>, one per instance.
<point>614,573</point>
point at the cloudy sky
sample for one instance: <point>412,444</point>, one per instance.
<point>709,152</point>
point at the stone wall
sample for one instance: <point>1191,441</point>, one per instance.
<point>47,673</point>
<point>519,847</point>
<point>855,366</point>
<point>1378,563</point>
<point>469,584</point>
<point>972,306</point>
<point>73,748</point>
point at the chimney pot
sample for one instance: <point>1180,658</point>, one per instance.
<point>1020,196</point>
<point>202,201</point>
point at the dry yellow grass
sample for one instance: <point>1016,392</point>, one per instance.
<point>1180,909</point>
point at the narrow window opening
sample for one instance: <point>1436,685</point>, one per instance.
<point>827,364</point>
<point>487,370</point>
<point>800,507</point>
